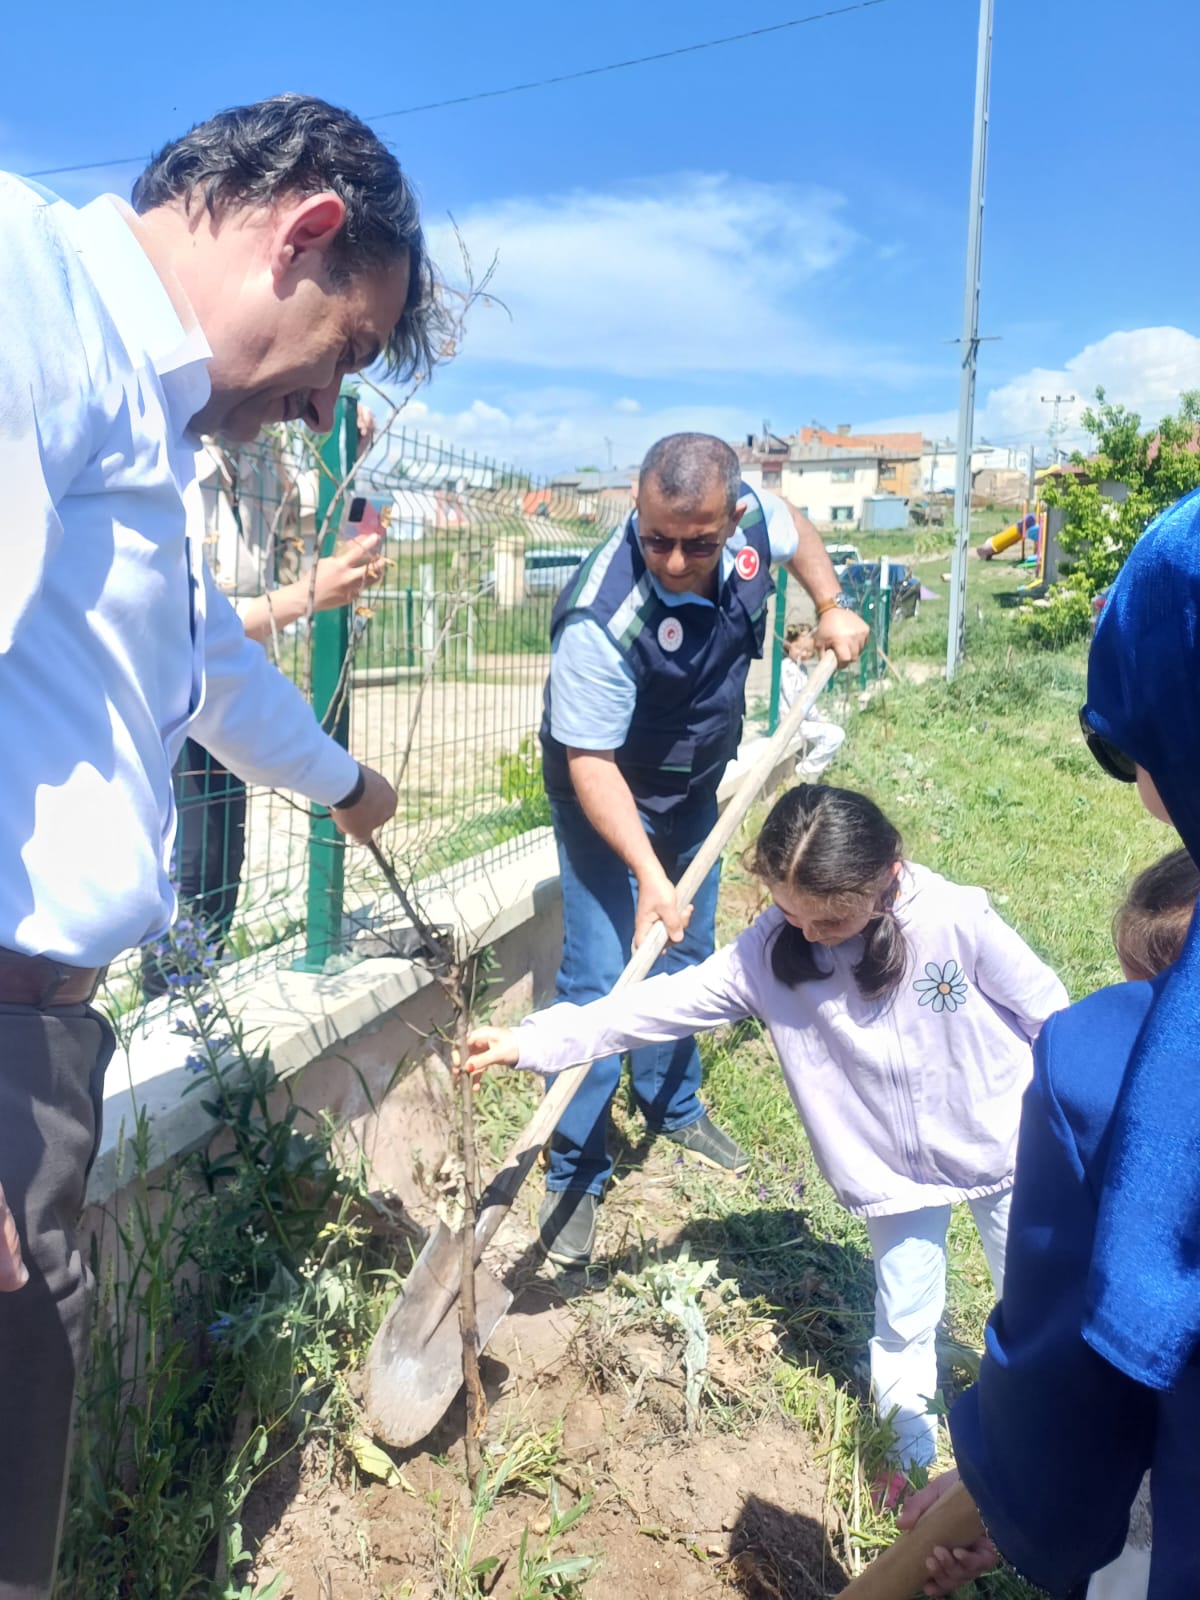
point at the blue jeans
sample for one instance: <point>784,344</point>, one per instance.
<point>599,898</point>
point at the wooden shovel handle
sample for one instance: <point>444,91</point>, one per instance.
<point>502,1190</point>
<point>900,1572</point>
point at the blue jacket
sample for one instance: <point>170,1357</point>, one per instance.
<point>689,664</point>
<point>1144,695</point>
<point>1053,1440</point>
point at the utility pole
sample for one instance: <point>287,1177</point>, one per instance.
<point>1057,426</point>
<point>970,346</point>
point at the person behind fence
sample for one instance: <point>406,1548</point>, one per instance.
<point>652,639</point>
<point>1091,1370</point>
<point>822,736</point>
<point>902,1010</point>
<point>210,801</point>
<point>278,248</point>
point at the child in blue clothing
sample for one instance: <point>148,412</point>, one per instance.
<point>1148,931</point>
<point>1091,1375</point>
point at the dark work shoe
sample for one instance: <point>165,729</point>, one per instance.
<point>704,1140</point>
<point>567,1226</point>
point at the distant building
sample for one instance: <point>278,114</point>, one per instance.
<point>1000,486</point>
<point>900,453</point>
<point>600,497</point>
<point>939,465</point>
<point>830,482</point>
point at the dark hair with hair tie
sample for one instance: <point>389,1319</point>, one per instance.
<point>835,845</point>
<point>294,144</point>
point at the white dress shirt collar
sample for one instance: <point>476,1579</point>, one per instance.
<point>141,308</point>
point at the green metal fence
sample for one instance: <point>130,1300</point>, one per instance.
<point>435,678</point>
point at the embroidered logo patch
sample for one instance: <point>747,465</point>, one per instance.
<point>670,634</point>
<point>745,563</point>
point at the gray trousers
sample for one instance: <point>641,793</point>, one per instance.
<point>51,1076</point>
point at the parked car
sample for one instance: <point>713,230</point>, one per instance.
<point>859,578</point>
<point>842,556</point>
<point>547,571</point>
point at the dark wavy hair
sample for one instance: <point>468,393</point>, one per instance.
<point>294,144</point>
<point>1151,926</point>
<point>837,846</point>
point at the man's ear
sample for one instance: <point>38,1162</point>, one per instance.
<point>307,225</point>
<point>739,511</point>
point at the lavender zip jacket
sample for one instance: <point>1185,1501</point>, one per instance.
<point>910,1101</point>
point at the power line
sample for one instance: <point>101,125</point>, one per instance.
<point>539,83</point>
<point>634,61</point>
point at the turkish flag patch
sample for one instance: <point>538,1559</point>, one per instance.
<point>745,563</point>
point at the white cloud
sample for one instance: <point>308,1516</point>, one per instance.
<point>1146,369</point>
<point>933,424</point>
<point>537,438</point>
<point>694,273</point>
<point>552,427</point>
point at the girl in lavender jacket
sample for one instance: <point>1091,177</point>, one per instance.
<point>902,1010</point>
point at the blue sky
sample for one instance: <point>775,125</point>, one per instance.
<point>770,230</point>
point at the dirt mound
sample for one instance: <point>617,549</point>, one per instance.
<point>596,1406</point>
<point>713,1515</point>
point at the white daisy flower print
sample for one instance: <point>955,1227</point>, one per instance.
<point>944,988</point>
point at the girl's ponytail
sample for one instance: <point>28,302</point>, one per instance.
<point>835,845</point>
<point>885,953</point>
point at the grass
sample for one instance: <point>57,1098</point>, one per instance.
<point>990,783</point>
<point>916,542</point>
<point>250,1285</point>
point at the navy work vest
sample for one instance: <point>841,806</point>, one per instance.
<point>689,664</point>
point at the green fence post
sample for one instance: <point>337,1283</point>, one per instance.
<point>869,613</point>
<point>777,648</point>
<point>883,633</point>
<point>330,644</point>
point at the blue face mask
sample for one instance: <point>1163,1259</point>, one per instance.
<point>1144,699</point>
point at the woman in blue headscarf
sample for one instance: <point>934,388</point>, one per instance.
<point>1091,1372</point>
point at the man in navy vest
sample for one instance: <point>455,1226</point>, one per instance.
<point>652,640</point>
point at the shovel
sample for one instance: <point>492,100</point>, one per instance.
<point>415,1366</point>
<point>900,1572</point>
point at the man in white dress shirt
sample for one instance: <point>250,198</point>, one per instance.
<point>273,250</point>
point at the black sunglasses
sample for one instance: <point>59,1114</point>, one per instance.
<point>693,549</point>
<point>1115,762</point>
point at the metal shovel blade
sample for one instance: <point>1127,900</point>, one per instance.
<point>415,1366</point>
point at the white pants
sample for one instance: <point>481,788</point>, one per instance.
<point>822,741</point>
<point>1126,1578</point>
<point>909,1253</point>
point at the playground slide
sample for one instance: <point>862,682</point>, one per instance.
<point>1023,528</point>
